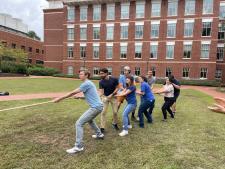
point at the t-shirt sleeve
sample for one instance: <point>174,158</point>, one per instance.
<point>84,87</point>
<point>142,88</point>
<point>100,85</point>
<point>121,79</point>
<point>132,88</point>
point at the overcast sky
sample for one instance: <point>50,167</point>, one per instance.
<point>30,11</point>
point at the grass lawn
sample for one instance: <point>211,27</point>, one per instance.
<point>38,137</point>
<point>40,85</point>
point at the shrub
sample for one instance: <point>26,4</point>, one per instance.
<point>41,71</point>
<point>13,67</point>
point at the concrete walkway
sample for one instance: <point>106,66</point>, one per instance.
<point>208,90</point>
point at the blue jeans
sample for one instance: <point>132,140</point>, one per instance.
<point>143,108</point>
<point>127,110</point>
<point>87,117</point>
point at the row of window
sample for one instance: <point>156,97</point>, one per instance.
<point>139,30</point>
<point>168,71</point>
<point>29,49</point>
<point>154,50</point>
<point>190,9</point>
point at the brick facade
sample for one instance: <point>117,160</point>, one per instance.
<point>55,28</point>
<point>34,48</point>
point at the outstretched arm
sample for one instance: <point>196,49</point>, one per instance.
<point>67,95</point>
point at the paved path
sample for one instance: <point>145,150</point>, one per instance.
<point>208,90</point>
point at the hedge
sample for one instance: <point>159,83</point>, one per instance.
<point>42,71</point>
<point>13,67</point>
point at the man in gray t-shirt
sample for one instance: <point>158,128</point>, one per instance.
<point>151,79</point>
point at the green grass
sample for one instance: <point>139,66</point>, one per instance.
<point>38,137</point>
<point>40,85</point>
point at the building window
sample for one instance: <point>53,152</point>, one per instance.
<point>138,50</point>
<point>203,73</point>
<point>110,32</point>
<point>82,52</point>
<point>30,49</point>
<point>218,74</point>
<point>70,70</point>
<point>96,71</point>
<point>220,53</point>
<point>14,46</point>
<point>186,72</point>
<point>189,7</point>
<point>187,51</point>
<point>124,32</point>
<point>206,28</point>
<point>155,30</point>
<point>170,51</point>
<point>96,33</point>
<point>139,31</point>
<point>153,69</point>
<point>188,28</point>
<point>156,9</point>
<point>221,33</point>
<point>153,50</point>
<point>172,7</point>
<point>137,71</point>
<point>171,29</point>
<point>70,33</point>
<point>123,51</point>
<point>140,9</point>
<point>205,47</point>
<point>37,51</point>
<point>40,62</point>
<point>110,11</point>
<point>83,32</point>
<point>222,10</point>
<point>97,12</point>
<point>168,71</point>
<point>83,13</point>
<point>42,51</point>
<point>96,52</point>
<point>125,10</point>
<point>109,52</point>
<point>70,13</point>
<point>109,70</point>
<point>70,51</point>
<point>207,6</point>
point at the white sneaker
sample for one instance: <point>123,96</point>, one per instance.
<point>129,126</point>
<point>123,133</point>
<point>74,150</point>
<point>101,136</point>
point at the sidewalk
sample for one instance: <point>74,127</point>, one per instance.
<point>208,90</point>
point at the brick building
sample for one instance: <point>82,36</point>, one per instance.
<point>13,34</point>
<point>166,36</point>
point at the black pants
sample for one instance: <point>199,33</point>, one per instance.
<point>166,107</point>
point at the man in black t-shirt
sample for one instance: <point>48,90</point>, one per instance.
<point>176,85</point>
<point>108,88</point>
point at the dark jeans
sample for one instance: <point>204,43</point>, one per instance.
<point>166,107</point>
<point>143,108</point>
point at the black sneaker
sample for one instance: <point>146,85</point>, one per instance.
<point>133,118</point>
<point>115,126</point>
<point>102,130</point>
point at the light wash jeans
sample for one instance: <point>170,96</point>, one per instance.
<point>127,110</point>
<point>87,117</point>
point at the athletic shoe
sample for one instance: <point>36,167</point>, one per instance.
<point>129,126</point>
<point>123,133</point>
<point>75,150</point>
<point>115,126</point>
<point>164,120</point>
<point>133,118</point>
<point>100,136</point>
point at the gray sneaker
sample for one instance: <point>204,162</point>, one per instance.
<point>75,150</point>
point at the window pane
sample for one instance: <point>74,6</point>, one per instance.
<point>124,32</point>
<point>187,51</point>
<point>139,31</point>
<point>109,52</point>
<point>171,30</point>
<point>172,8</point>
<point>83,33</point>
<point>188,29</point>
<point>205,51</point>
<point>96,33</point>
<point>97,12</point>
<point>110,32</point>
<point>189,7</point>
<point>154,30</point>
<point>156,9</point>
<point>220,53</point>
<point>123,52</point>
<point>110,12</point>
<point>140,10</point>
<point>138,51</point>
<point>153,51</point>
<point>206,28</point>
<point>83,13</point>
<point>169,51</point>
<point>125,9</point>
<point>70,13</point>
<point>207,6</point>
<point>70,33</point>
<point>70,51</point>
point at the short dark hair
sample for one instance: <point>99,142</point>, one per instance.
<point>144,78</point>
<point>105,70</point>
<point>131,79</point>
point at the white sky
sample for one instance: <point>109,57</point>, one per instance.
<point>30,11</point>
